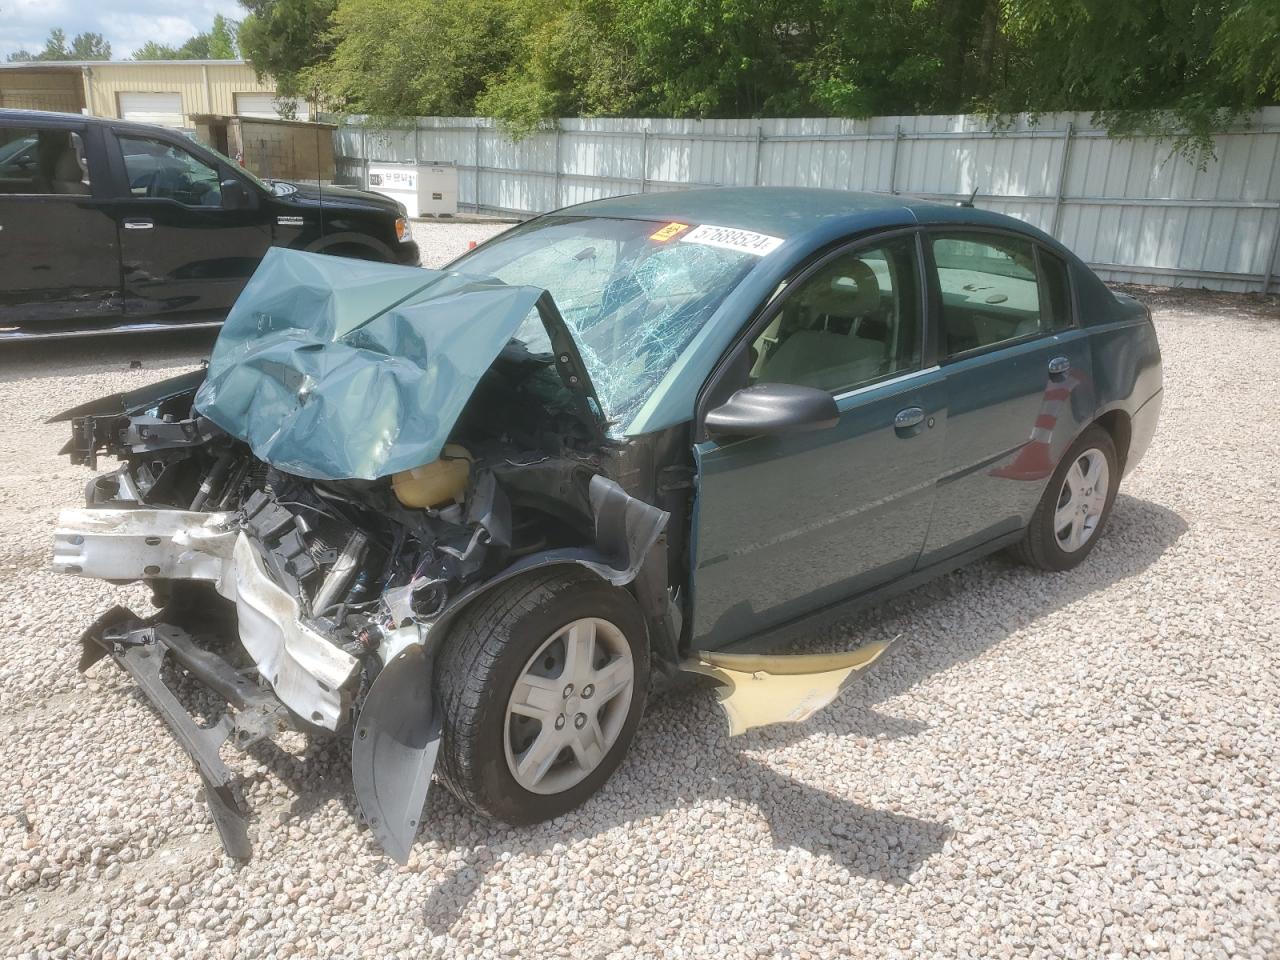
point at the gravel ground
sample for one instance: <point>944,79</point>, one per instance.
<point>1074,765</point>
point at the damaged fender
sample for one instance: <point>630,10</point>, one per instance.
<point>789,688</point>
<point>397,736</point>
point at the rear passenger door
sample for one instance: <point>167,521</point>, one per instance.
<point>1018,388</point>
<point>59,262</point>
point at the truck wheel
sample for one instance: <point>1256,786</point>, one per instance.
<point>1075,506</point>
<point>542,684</point>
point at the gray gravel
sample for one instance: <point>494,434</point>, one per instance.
<point>1076,765</point>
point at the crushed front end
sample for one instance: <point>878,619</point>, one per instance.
<point>312,513</point>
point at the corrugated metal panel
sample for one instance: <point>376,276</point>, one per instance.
<point>205,87</point>
<point>1129,206</point>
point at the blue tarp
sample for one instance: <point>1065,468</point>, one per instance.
<point>339,369</point>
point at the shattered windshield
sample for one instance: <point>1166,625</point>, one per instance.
<point>632,292</point>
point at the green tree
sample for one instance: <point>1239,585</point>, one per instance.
<point>408,57</point>
<point>285,39</point>
<point>151,50</point>
<point>222,43</point>
<point>83,46</point>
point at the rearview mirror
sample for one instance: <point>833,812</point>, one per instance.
<point>234,194</point>
<point>772,408</point>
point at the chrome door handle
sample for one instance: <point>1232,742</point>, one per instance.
<point>139,224</point>
<point>910,417</point>
<point>1058,366</point>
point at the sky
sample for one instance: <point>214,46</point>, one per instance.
<point>127,24</point>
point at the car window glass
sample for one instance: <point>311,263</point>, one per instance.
<point>989,290</point>
<point>42,162</point>
<point>856,320</point>
<point>632,293</point>
<point>1057,290</point>
<point>161,170</point>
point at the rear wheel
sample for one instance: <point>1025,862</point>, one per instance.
<point>542,684</point>
<point>1075,506</point>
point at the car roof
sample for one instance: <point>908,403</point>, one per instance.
<point>778,211</point>
<point>792,213</point>
<point>14,115</point>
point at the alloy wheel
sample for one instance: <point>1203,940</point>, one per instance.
<point>568,706</point>
<point>1082,500</point>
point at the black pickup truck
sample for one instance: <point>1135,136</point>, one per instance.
<point>111,226</point>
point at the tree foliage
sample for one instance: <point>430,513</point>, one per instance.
<point>83,46</point>
<point>286,39</point>
<point>1182,68</point>
<point>216,43</point>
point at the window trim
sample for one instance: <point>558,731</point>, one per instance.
<point>932,232</point>
<point>769,308</point>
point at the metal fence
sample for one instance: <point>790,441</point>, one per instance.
<point>1128,206</point>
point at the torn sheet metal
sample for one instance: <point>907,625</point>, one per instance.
<point>339,369</point>
<point>143,544</point>
<point>760,690</point>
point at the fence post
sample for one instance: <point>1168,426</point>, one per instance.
<point>1063,168</point>
<point>893,159</point>
<point>477,197</point>
<point>555,197</point>
<point>417,149</point>
<point>759,150</point>
<point>644,160</point>
<point>1269,269</point>
<point>364,154</point>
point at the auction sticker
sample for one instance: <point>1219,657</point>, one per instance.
<point>672,229</point>
<point>731,238</point>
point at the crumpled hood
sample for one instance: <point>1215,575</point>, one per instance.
<point>339,369</point>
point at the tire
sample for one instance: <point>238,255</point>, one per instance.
<point>491,647</point>
<point>1043,546</point>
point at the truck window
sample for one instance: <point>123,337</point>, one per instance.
<point>161,170</point>
<point>42,162</point>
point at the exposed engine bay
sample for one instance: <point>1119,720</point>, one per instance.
<point>335,585</point>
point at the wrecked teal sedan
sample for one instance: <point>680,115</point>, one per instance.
<point>463,517</point>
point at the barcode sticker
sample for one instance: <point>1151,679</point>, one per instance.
<point>731,238</point>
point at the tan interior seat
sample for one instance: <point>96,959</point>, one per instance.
<point>68,175</point>
<point>816,358</point>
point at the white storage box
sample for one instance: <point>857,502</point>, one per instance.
<point>425,189</point>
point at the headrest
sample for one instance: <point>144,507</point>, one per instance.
<point>852,291</point>
<point>67,168</point>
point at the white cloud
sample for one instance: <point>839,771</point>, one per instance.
<point>127,24</point>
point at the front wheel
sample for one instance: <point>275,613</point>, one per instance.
<point>542,684</point>
<point>1075,506</point>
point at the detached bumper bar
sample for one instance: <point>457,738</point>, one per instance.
<point>140,648</point>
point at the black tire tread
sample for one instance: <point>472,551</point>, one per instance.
<point>476,645</point>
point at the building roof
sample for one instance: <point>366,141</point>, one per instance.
<point>77,64</point>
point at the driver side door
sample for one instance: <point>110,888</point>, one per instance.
<point>181,252</point>
<point>789,523</point>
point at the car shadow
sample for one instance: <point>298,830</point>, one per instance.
<point>668,768</point>
<point>866,841</point>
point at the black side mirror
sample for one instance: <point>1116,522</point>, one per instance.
<point>772,408</point>
<point>234,194</point>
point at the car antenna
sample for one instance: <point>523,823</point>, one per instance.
<point>314,104</point>
<point>969,202</point>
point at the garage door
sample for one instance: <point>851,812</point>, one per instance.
<point>162,108</point>
<point>265,105</point>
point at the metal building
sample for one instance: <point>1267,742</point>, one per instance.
<point>167,92</point>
